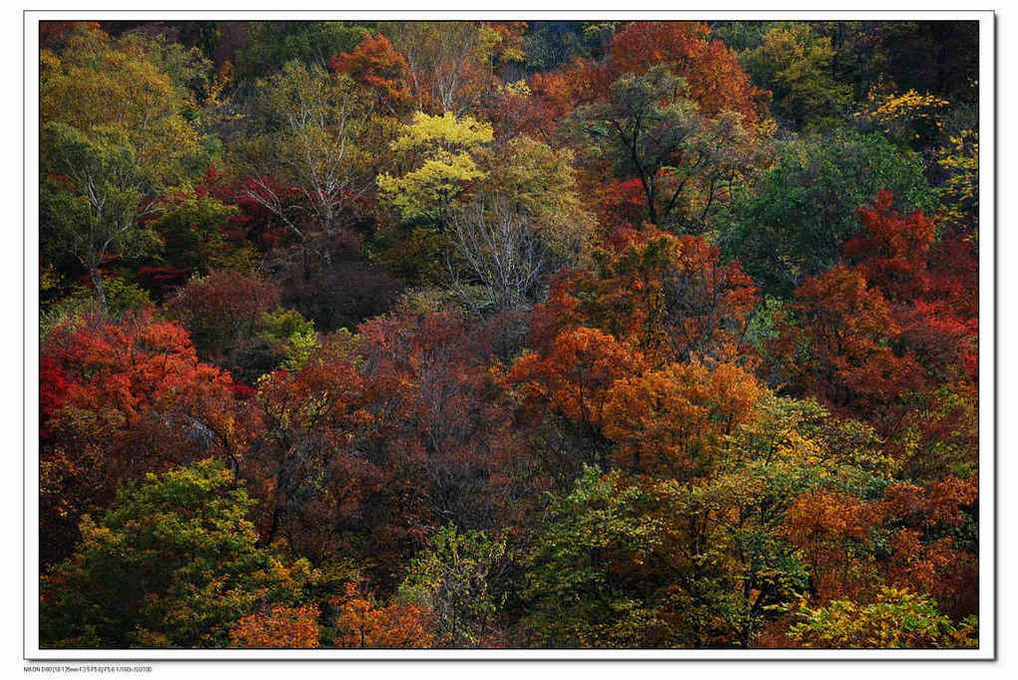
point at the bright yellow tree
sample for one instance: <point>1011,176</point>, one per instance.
<point>438,152</point>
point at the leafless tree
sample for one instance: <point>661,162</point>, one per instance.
<point>497,248</point>
<point>447,61</point>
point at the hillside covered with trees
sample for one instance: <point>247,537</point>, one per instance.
<point>508,334</point>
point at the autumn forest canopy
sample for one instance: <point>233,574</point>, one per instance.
<point>508,334</point>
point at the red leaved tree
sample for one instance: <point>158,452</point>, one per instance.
<point>120,400</point>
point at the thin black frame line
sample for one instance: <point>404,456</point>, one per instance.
<point>996,341</point>
<point>578,13</point>
<point>996,387</point>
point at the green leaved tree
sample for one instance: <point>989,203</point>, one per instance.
<point>117,131</point>
<point>456,578</point>
<point>173,563</point>
<point>792,223</point>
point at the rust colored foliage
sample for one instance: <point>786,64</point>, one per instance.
<point>841,537</point>
<point>516,112</point>
<point>364,624</point>
<point>378,437</point>
<point>115,376</point>
<point>666,421</point>
<point>867,334</point>
<point>308,417</point>
<point>668,296</point>
<point>580,82</point>
<point>698,85</point>
<point>509,46</point>
<point>449,62</point>
<point>562,391</point>
<point>574,376</point>
<point>378,66</point>
<point>442,431</point>
<point>921,556</point>
<point>281,627</point>
<point>891,251</point>
<point>828,527</point>
<point>840,348</point>
<point>714,78</point>
<point>498,377</point>
<point>651,301</point>
<point>223,312</point>
<point>954,267</point>
<point>624,203</point>
<point>937,307</point>
<point>52,391</point>
<point>255,222</point>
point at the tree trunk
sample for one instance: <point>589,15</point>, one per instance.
<point>97,281</point>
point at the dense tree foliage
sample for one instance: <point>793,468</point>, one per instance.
<point>792,224</point>
<point>173,563</point>
<point>118,130</point>
<point>510,334</point>
<point>795,64</point>
<point>456,577</point>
